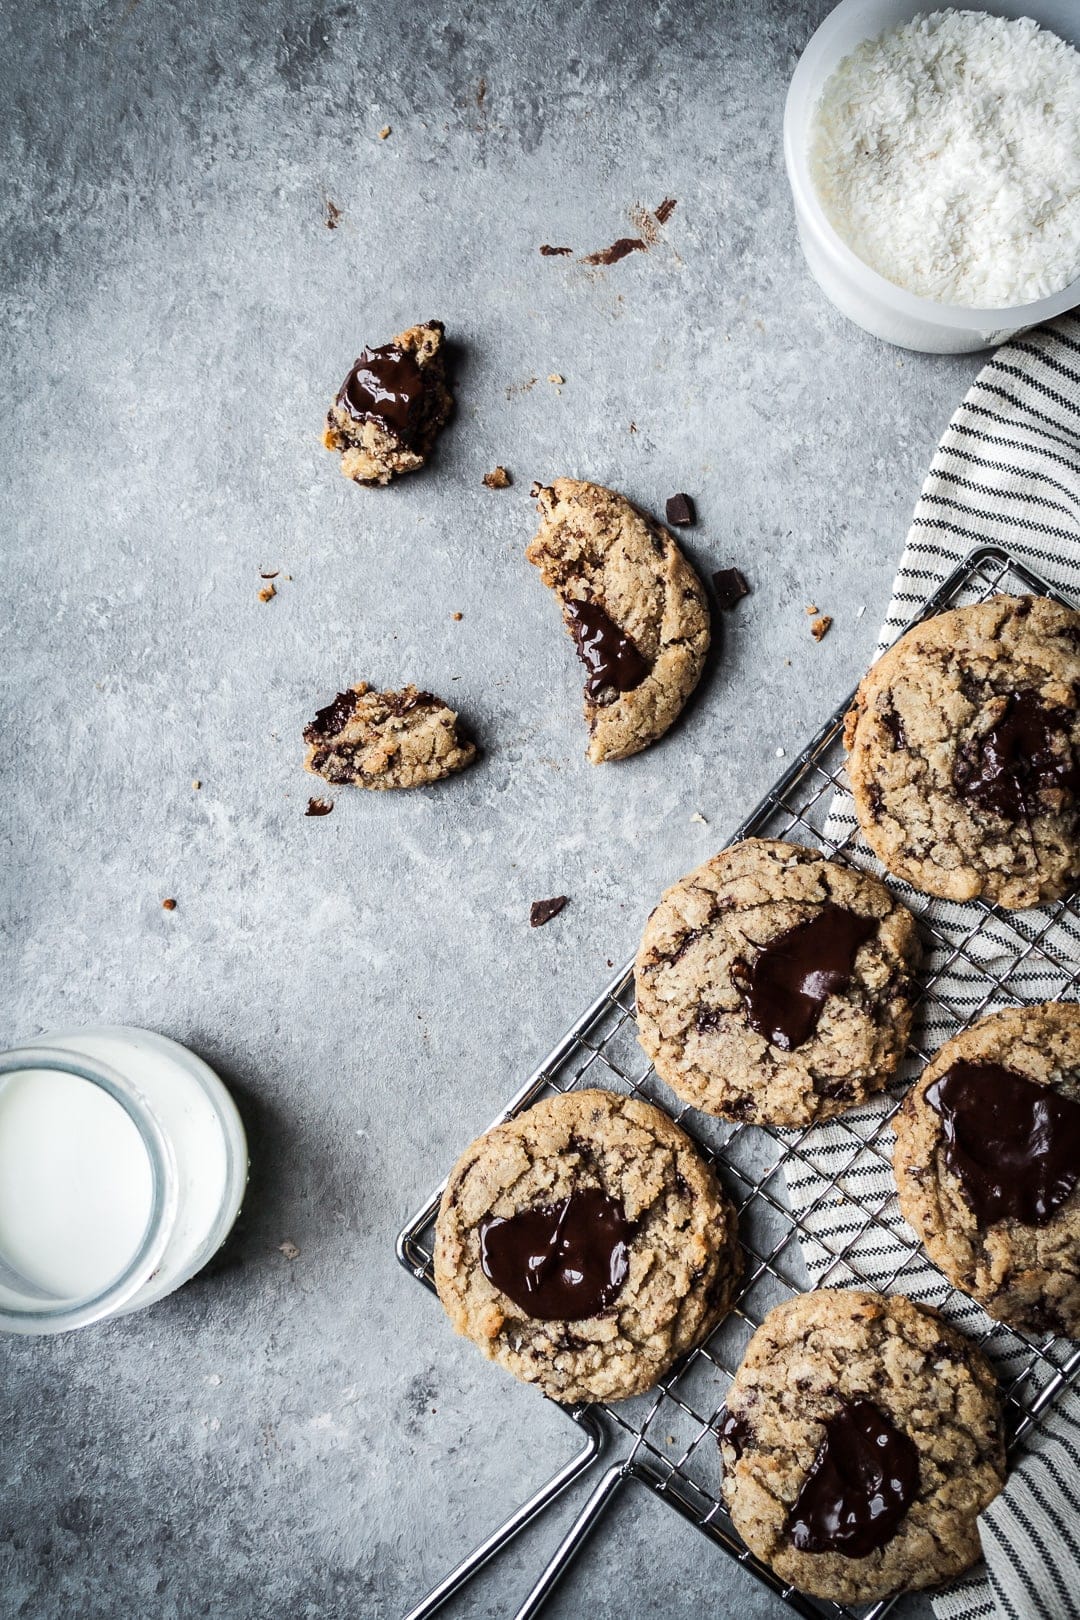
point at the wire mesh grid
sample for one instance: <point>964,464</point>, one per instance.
<point>976,959</point>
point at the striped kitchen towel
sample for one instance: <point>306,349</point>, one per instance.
<point>1007,470</point>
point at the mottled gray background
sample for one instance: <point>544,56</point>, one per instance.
<point>306,1437</point>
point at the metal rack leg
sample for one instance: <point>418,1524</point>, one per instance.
<point>568,1546</point>
<point>524,1515</point>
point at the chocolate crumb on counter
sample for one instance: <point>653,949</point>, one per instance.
<point>273,574</point>
<point>542,911</point>
<point>550,252</point>
<point>267,593</point>
<point>333,214</point>
<point>168,905</point>
<point>385,132</point>
<point>665,210</point>
<point>680,511</point>
<point>319,807</point>
<point>729,585</point>
<point>618,250</point>
<point>820,627</point>
<point>498,478</point>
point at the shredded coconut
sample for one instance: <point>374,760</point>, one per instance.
<point>946,153</point>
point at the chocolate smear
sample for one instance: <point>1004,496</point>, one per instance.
<point>385,385</point>
<point>618,250</point>
<point>560,1262</point>
<point>550,252</point>
<point>665,210</point>
<point>329,721</point>
<point>1026,753</point>
<point>861,1483</point>
<point>607,652</point>
<point>1013,1145</point>
<point>789,980</point>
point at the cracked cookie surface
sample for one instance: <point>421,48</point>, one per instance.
<point>963,753</point>
<point>633,605</point>
<point>694,1019</point>
<point>1025,1271</point>
<point>386,739</point>
<point>682,1260</point>
<point>391,406</point>
<point>821,1353</point>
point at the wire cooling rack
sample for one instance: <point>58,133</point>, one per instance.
<point>666,1441</point>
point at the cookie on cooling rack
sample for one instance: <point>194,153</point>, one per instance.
<point>987,1163</point>
<point>585,1245</point>
<point>862,1439</point>
<point>773,985</point>
<point>963,753</point>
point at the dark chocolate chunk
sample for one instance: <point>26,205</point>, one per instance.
<point>893,724</point>
<point>789,981</point>
<point>386,386</point>
<point>1027,752</point>
<point>607,652</point>
<point>861,1483</point>
<point>1013,1145</point>
<point>319,807</point>
<point>560,1262</point>
<point>730,587</point>
<point>680,511</point>
<point>329,721</point>
<point>542,911</point>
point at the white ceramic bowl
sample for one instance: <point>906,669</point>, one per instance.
<point>857,291</point>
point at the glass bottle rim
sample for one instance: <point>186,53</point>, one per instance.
<point>60,1315</point>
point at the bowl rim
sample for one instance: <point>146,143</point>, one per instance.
<point>807,83</point>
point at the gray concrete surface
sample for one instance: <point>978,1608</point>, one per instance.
<point>305,1437</point>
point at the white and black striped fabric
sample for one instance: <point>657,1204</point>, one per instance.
<point>1007,470</point>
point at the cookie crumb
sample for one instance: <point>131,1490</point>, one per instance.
<point>499,478</point>
<point>811,608</point>
<point>680,511</point>
<point>457,617</point>
<point>550,252</point>
<point>196,784</point>
<point>553,377</point>
<point>267,593</point>
<point>779,753</point>
<point>697,816</point>
<point>542,911</point>
<point>333,214</point>
<point>289,1249</point>
<point>385,132</point>
<point>168,905</point>
<point>820,627</point>
<point>730,587</point>
<point>319,807</point>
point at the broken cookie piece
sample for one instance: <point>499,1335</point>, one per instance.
<point>634,606</point>
<point>390,407</point>
<point>386,739</point>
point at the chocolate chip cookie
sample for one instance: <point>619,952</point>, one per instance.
<point>633,605</point>
<point>963,757</point>
<point>391,406</point>
<point>987,1163</point>
<point>386,739</point>
<point>774,985</point>
<point>863,1438</point>
<point>585,1246</point>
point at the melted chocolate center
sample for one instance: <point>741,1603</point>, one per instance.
<point>1013,1145</point>
<point>790,979</point>
<point>560,1262</point>
<point>862,1482</point>
<point>1026,753</point>
<point>385,385</point>
<point>607,652</point>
